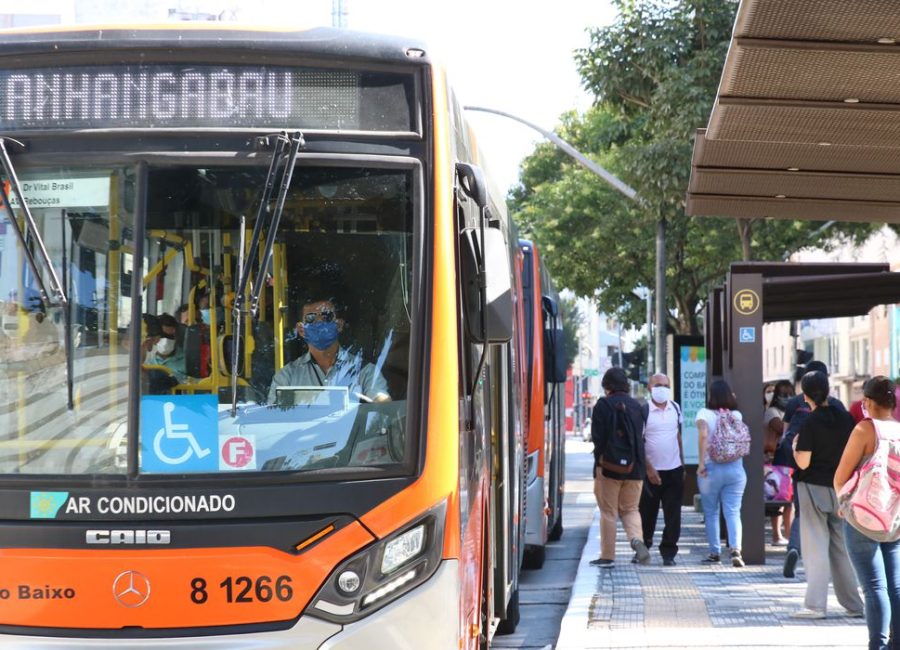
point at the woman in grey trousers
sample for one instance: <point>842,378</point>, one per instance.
<point>818,448</point>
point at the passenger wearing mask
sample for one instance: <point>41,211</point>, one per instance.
<point>877,564</point>
<point>617,417</point>
<point>818,448</point>
<point>665,468</point>
<point>164,352</point>
<point>795,413</point>
<point>327,363</point>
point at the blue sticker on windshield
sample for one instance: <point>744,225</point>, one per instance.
<point>179,433</point>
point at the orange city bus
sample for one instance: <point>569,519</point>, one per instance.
<point>544,407</point>
<point>260,357</point>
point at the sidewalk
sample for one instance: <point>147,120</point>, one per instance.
<point>693,605</point>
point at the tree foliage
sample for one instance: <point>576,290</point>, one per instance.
<point>654,75</point>
<point>572,321</point>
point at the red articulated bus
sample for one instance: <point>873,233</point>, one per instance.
<point>262,358</point>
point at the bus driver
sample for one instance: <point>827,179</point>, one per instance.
<point>327,363</point>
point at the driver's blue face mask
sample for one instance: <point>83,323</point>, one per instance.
<point>321,334</point>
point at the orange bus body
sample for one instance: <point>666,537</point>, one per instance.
<point>78,591</point>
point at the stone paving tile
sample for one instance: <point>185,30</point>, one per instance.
<point>701,596</point>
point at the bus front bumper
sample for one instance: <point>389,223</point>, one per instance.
<point>423,618</point>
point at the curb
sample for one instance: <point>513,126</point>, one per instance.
<point>574,624</point>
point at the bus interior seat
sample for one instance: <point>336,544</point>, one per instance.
<point>196,351</point>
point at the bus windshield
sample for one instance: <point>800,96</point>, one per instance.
<point>322,368</point>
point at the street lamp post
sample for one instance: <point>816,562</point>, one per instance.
<point>631,193</point>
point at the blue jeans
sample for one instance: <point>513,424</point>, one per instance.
<point>723,486</point>
<point>877,567</point>
<point>794,536</point>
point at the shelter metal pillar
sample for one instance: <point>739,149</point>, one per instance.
<point>743,371</point>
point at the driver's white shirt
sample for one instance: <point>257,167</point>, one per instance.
<point>349,370</point>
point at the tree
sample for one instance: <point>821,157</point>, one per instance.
<point>654,73</point>
<point>572,321</point>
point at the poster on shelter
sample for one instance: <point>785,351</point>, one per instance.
<point>692,393</point>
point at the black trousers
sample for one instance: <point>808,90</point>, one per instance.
<point>668,494</point>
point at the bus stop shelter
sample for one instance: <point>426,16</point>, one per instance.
<point>759,293</point>
<point>806,125</point>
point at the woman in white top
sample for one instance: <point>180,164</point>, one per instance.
<point>877,564</point>
<point>721,484</point>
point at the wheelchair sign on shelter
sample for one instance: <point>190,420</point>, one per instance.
<point>179,433</point>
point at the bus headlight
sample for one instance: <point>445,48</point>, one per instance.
<point>401,550</point>
<point>384,571</point>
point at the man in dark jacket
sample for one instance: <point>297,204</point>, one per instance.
<point>619,468</point>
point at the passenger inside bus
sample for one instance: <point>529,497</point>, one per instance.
<point>326,363</point>
<point>163,361</point>
<point>164,352</point>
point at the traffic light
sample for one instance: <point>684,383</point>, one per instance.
<point>634,362</point>
<point>801,358</point>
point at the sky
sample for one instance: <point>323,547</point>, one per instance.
<point>511,55</point>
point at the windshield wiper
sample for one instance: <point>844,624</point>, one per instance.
<point>33,232</point>
<point>265,218</point>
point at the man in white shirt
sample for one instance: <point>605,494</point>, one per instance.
<point>665,468</point>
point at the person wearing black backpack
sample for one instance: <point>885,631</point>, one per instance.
<point>619,466</point>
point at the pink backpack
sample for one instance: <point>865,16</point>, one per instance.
<point>870,500</point>
<point>730,439</point>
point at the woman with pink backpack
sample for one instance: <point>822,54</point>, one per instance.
<point>723,440</point>
<point>874,549</point>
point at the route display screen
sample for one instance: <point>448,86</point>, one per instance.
<point>205,96</point>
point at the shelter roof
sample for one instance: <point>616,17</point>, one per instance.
<point>806,123</point>
<point>803,291</point>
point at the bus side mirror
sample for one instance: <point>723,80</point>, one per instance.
<point>555,366</point>
<point>472,182</point>
<point>487,297</point>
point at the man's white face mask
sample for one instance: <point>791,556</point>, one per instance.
<point>660,394</point>
<point>165,347</point>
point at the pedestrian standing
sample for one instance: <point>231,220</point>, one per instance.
<point>665,468</point>
<point>721,484</point>
<point>877,564</point>
<point>619,470</point>
<point>818,448</point>
<point>795,413</point>
<point>773,425</point>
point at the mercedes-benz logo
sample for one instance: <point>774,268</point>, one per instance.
<point>131,589</point>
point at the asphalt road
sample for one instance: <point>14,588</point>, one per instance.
<point>544,594</point>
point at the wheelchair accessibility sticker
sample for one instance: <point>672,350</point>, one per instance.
<point>179,433</point>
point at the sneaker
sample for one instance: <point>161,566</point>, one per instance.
<point>669,561</point>
<point>602,562</point>
<point>859,614</point>
<point>736,559</point>
<point>640,551</point>
<point>808,613</point>
<point>712,558</point>
<point>790,562</point>
<point>781,541</point>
